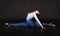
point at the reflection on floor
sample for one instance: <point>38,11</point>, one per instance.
<point>28,31</point>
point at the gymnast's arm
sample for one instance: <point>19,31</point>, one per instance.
<point>38,21</point>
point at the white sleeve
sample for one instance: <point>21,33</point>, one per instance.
<point>37,20</point>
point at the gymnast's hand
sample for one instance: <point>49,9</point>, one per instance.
<point>43,28</point>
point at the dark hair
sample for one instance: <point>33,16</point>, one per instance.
<point>36,9</point>
<point>31,10</point>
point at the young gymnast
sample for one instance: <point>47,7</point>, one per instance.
<point>30,22</point>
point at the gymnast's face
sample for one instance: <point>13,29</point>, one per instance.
<point>37,12</point>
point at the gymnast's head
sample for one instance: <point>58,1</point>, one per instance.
<point>36,12</point>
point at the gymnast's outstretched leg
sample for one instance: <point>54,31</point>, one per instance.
<point>46,24</point>
<point>16,24</point>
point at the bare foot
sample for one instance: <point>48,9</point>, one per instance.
<point>52,24</point>
<point>6,23</point>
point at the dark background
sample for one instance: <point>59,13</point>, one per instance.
<point>17,9</point>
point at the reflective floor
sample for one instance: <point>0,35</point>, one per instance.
<point>28,31</point>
